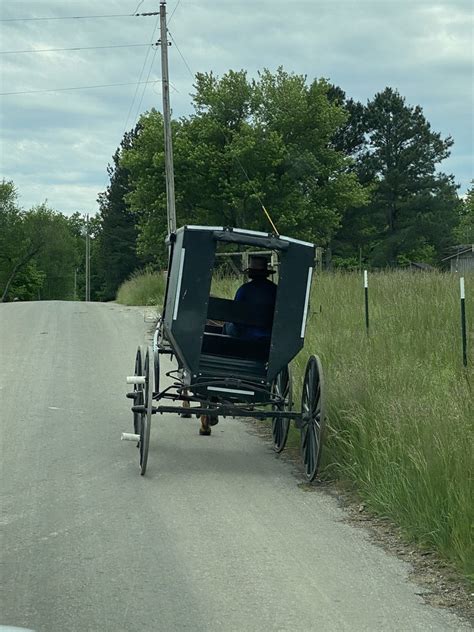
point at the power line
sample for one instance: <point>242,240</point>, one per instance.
<point>69,17</point>
<point>182,56</point>
<point>54,50</point>
<point>80,17</point>
<point>139,5</point>
<point>141,75</point>
<point>173,12</point>
<point>144,87</point>
<point>105,85</point>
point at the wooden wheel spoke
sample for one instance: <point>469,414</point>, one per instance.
<point>280,425</point>
<point>312,407</point>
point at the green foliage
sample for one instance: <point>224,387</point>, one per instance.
<point>249,143</point>
<point>464,231</point>
<point>361,180</point>
<point>412,205</point>
<point>144,162</point>
<point>115,250</point>
<point>143,288</point>
<point>56,258</point>
<point>40,250</point>
<point>28,283</point>
<point>17,245</point>
<point>413,210</point>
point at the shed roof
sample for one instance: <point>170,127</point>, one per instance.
<point>420,265</point>
<point>462,249</point>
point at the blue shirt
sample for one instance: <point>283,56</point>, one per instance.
<point>260,293</point>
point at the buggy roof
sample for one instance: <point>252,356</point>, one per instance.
<point>241,233</point>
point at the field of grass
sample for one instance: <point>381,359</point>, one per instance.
<point>400,403</point>
<point>401,406</point>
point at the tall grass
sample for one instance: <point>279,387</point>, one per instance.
<point>142,288</point>
<point>401,413</point>
<point>400,403</point>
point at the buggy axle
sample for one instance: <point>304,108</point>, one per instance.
<point>224,411</point>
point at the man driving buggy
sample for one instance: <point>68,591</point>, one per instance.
<point>260,293</point>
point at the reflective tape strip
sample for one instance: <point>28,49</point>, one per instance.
<point>297,241</point>
<point>306,301</point>
<point>205,227</point>
<point>178,289</point>
<point>244,231</point>
<point>230,390</point>
<point>461,287</point>
<point>366,279</point>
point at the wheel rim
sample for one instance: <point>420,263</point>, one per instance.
<point>156,368</point>
<point>146,416</point>
<point>313,413</point>
<point>138,391</point>
<point>281,425</point>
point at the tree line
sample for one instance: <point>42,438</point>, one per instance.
<point>361,181</point>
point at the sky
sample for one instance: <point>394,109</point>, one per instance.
<point>55,145</point>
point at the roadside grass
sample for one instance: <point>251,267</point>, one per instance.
<point>142,288</point>
<point>400,403</point>
<point>400,426</point>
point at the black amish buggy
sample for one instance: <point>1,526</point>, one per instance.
<point>224,375</point>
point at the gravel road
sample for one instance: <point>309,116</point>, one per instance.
<point>216,537</point>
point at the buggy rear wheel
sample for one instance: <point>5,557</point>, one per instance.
<point>146,417</point>
<point>282,387</point>
<point>138,398</point>
<point>313,416</point>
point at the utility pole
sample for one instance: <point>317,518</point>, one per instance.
<point>169,167</point>
<point>88,272</point>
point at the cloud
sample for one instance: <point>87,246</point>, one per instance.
<point>57,145</point>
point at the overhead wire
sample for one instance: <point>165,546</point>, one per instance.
<point>54,50</point>
<point>182,56</point>
<point>141,75</point>
<point>82,17</point>
<point>69,17</point>
<point>137,113</point>
<point>139,5</point>
<point>173,12</point>
<point>104,85</point>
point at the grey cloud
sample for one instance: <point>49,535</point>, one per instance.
<point>58,145</point>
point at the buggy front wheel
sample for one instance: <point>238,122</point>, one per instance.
<point>282,389</point>
<point>138,399</point>
<point>312,417</point>
<point>148,407</point>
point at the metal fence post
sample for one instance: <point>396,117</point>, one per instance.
<point>463,321</point>
<point>366,291</point>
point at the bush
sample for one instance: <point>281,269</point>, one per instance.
<point>142,288</point>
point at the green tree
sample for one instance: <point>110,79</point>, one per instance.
<point>144,162</point>
<point>39,250</point>
<point>249,144</point>
<point>464,231</point>
<point>315,183</point>
<point>56,255</point>
<point>117,236</point>
<point>414,208</point>
<point>17,247</point>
